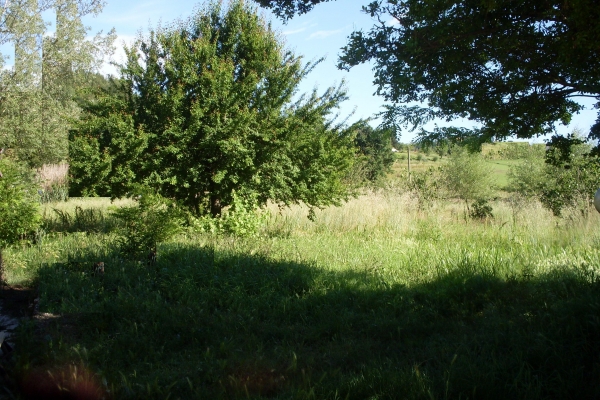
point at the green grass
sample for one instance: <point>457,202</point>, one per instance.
<point>375,299</point>
<point>500,170</point>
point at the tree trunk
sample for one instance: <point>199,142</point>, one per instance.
<point>2,281</point>
<point>409,177</point>
<point>215,206</point>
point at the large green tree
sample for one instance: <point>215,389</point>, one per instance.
<point>514,66</point>
<point>209,107</point>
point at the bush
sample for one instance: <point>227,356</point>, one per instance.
<point>18,204</point>
<point>481,210</point>
<point>427,186</point>
<point>468,177</point>
<point>568,178</point>
<point>153,220</point>
<point>242,219</point>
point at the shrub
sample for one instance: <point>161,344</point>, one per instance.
<point>242,219</point>
<point>468,177</point>
<point>568,178</point>
<point>153,220</point>
<point>427,186</point>
<point>18,204</point>
<point>481,210</point>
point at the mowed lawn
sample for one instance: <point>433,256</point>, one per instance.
<point>376,299</point>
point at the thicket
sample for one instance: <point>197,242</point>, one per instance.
<point>567,177</point>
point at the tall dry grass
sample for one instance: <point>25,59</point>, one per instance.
<point>52,175</point>
<point>54,182</point>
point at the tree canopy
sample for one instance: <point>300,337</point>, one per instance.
<point>37,93</point>
<point>516,67</point>
<point>208,108</point>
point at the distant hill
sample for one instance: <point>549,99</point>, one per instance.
<point>512,150</point>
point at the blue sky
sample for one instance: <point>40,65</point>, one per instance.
<point>320,33</point>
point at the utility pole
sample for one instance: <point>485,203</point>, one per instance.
<point>409,176</point>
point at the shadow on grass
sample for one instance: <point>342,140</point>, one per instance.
<point>206,323</point>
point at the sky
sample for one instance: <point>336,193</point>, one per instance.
<point>320,33</point>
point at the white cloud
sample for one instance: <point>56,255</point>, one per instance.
<point>393,21</point>
<point>324,34</point>
<point>293,31</point>
<point>118,56</point>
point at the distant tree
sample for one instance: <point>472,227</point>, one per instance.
<point>445,137</point>
<point>572,174</point>
<point>567,177</point>
<point>37,95</point>
<point>468,177</point>
<point>376,147</point>
<point>513,66</point>
<point>207,108</point>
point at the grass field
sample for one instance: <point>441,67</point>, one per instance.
<point>500,168</point>
<point>377,299</point>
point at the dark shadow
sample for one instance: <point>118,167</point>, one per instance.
<point>207,323</point>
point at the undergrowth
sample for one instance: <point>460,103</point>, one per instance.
<point>404,303</point>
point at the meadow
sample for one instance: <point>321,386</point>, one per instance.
<point>377,299</point>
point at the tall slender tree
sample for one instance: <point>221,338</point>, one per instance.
<point>36,95</point>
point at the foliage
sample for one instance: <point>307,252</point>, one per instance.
<point>427,186</point>
<point>94,170</point>
<point>153,220</point>
<point>571,187</point>
<point>481,209</point>
<point>512,66</point>
<point>513,150</point>
<point>467,176</point>
<point>528,177</point>
<point>18,203</point>
<point>443,138</point>
<point>37,104</point>
<point>242,219</point>
<point>569,177</point>
<point>375,145</point>
<point>562,150</point>
<point>207,107</point>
